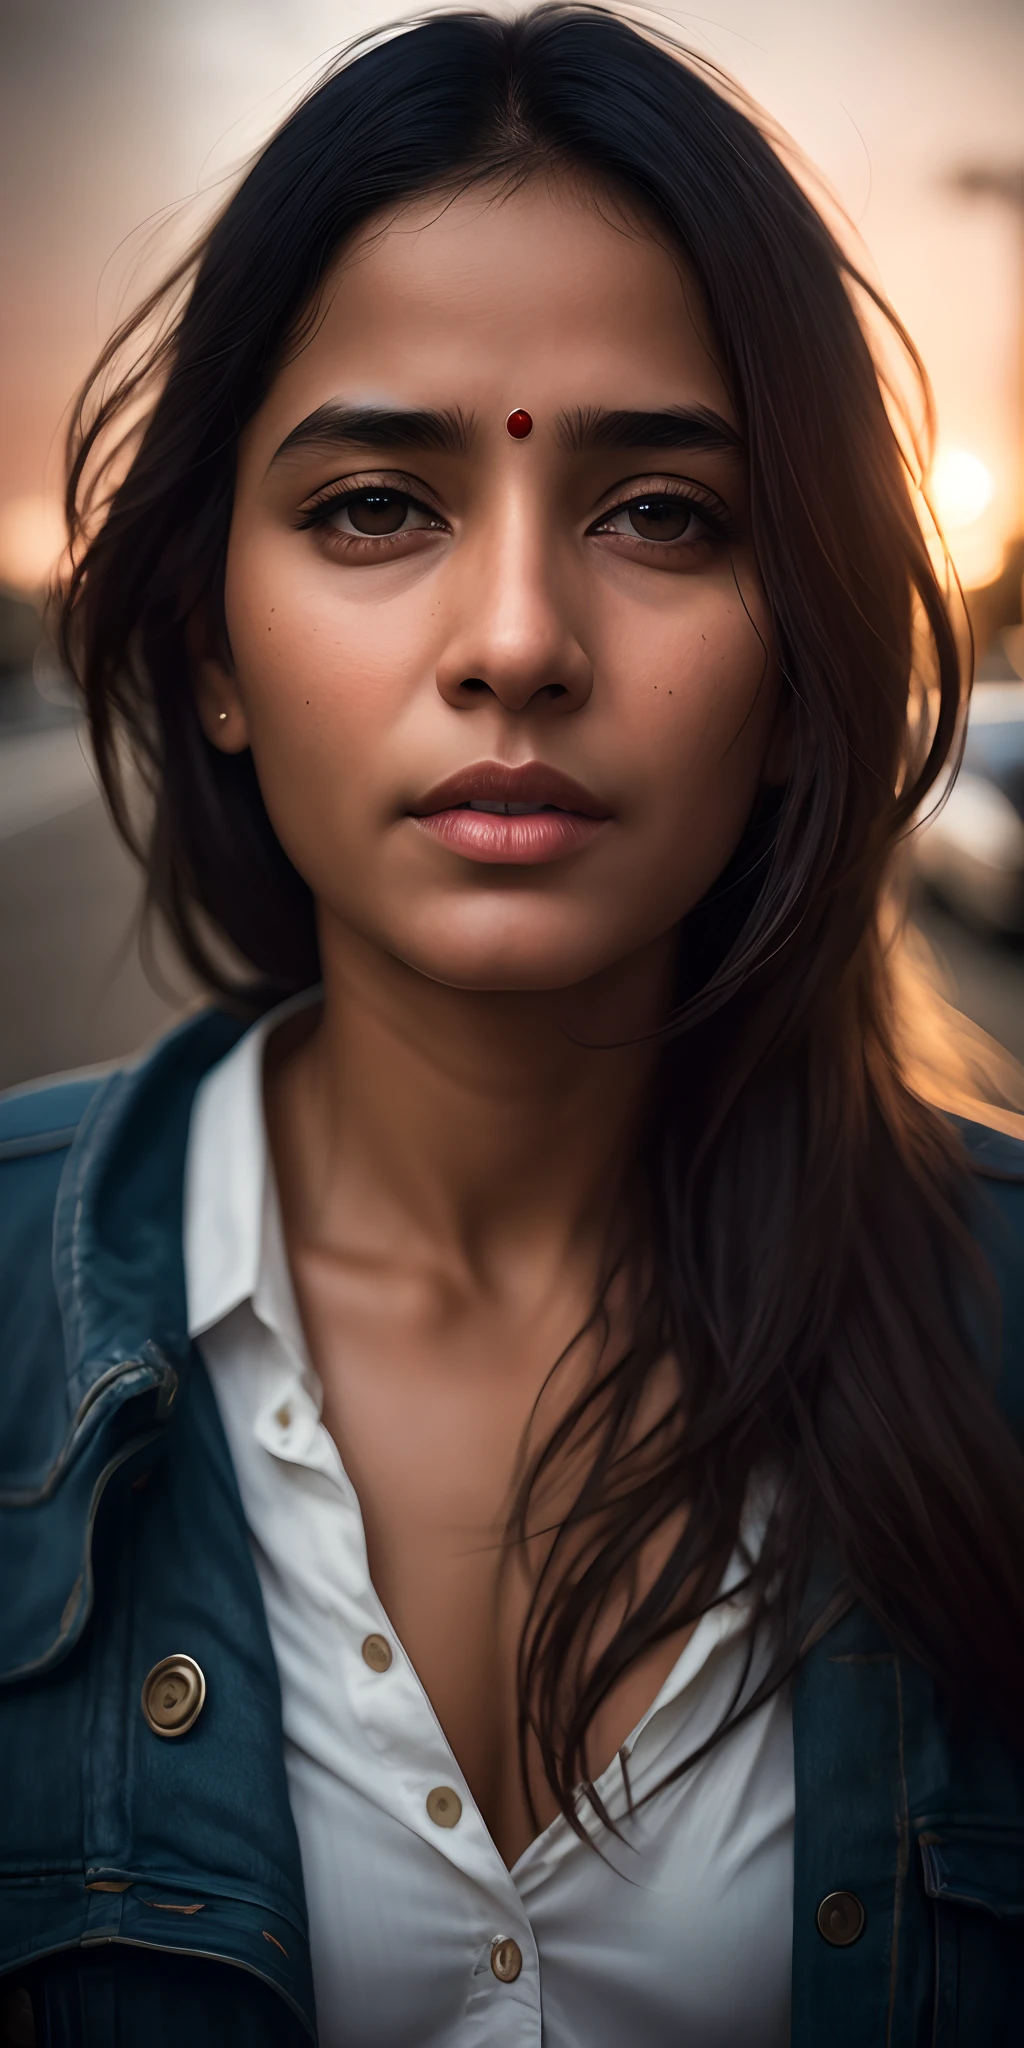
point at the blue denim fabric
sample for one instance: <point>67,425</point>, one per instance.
<point>152,1887</point>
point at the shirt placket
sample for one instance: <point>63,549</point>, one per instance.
<point>408,1767</point>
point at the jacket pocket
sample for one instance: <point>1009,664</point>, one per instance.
<point>974,1876</point>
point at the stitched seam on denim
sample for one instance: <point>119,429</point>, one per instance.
<point>97,1117</point>
<point>34,1496</point>
<point>901,1857</point>
<point>64,1637</point>
<point>213,1955</point>
<point>37,1142</point>
<point>902,1820</point>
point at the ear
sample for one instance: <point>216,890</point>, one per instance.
<point>221,713</point>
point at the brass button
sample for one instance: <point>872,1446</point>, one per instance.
<point>377,1653</point>
<point>444,1806</point>
<point>173,1695</point>
<point>506,1959</point>
<point>841,1919</point>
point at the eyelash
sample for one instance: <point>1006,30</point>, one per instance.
<point>329,501</point>
<point>708,508</point>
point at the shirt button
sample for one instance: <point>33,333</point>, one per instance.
<point>840,1919</point>
<point>506,1959</point>
<point>283,1417</point>
<point>444,1807</point>
<point>173,1695</point>
<point>377,1653</point>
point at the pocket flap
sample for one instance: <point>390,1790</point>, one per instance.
<point>975,1863</point>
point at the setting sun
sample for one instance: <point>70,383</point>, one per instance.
<point>963,488</point>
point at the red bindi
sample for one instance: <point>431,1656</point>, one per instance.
<point>519,424</point>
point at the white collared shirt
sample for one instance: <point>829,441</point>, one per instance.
<point>677,1936</point>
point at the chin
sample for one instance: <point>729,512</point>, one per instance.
<point>491,962</point>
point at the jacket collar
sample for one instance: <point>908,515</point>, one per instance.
<point>119,1279</point>
<point>117,1261</point>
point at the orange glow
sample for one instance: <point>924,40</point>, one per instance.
<point>963,488</point>
<point>32,536</point>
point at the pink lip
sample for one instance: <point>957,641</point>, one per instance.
<point>525,840</point>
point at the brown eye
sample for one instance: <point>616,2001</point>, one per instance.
<point>660,518</point>
<point>678,525</point>
<point>378,512</point>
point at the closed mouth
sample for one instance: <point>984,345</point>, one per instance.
<point>505,810</point>
<point>501,790</point>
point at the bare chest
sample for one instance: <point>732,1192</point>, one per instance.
<point>432,1436</point>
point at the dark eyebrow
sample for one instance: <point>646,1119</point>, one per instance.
<point>695,427</point>
<point>370,426</point>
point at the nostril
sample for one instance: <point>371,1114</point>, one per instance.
<point>475,683</point>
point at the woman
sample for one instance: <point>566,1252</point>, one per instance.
<point>504,1451</point>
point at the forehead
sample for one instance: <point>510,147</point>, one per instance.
<point>549,296</point>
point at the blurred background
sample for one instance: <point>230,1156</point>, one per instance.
<point>122,123</point>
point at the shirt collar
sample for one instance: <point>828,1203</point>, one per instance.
<point>232,1227</point>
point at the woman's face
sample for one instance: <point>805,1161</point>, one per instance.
<point>427,614</point>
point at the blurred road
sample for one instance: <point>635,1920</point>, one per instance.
<point>74,989</point>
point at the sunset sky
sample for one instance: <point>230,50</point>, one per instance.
<point>112,112</point>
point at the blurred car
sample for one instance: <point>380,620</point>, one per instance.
<point>970,851</point>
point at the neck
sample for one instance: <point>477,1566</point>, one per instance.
<point>481,1126</point>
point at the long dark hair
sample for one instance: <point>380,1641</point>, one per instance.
<point>806,1256</point>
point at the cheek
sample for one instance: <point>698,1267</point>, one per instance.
<point>702,693</point>
<point>285,643</point>
<point>321,686</point>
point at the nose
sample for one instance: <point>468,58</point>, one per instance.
<point>512,640</point>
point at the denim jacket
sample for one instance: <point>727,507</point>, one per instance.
<point>150,1884</point>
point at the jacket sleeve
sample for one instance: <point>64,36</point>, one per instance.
<point>998,1225</point>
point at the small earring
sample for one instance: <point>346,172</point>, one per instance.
<point>222,715</point>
